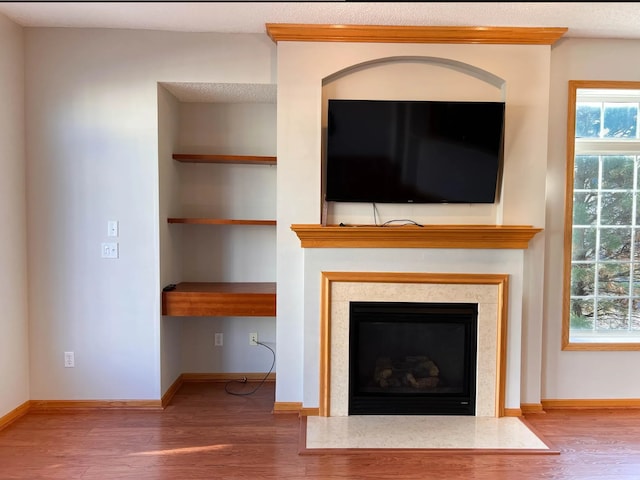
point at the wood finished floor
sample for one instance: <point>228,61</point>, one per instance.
<point>208,434</point>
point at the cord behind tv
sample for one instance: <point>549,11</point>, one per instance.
<point>406,221</point>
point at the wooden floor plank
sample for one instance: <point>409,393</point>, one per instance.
<point>206,433</point>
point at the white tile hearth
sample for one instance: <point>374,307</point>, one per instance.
<point>422,432</point>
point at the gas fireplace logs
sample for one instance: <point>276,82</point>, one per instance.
<point>418,372</point>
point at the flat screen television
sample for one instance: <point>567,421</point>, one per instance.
<point>392,151</point>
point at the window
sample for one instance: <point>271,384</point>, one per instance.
<point>602,223</point>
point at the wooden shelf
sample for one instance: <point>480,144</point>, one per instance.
<point>229,159</point>
<point>219,221</point>
<point>193,299</point>
<point>411,236</point>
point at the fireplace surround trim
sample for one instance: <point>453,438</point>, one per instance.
<point>498,280</point>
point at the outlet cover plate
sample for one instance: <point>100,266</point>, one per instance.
<point>69,360</point>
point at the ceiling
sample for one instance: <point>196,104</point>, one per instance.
<point>584,19</point>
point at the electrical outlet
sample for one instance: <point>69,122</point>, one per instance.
<point>69,360</point>
<point>112,228</point>
<point>218,340</point>
<point>253,339</point>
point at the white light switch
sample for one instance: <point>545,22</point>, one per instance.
<point>109,250</point>
<point>112,228</point>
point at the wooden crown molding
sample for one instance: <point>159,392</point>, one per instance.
<point>410,236</point>
<point>298,32</point>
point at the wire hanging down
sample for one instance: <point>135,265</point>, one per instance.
<point>251,392</point>
<point>376,215</point>
<point>407,222</point>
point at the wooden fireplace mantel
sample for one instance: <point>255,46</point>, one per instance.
<point>412,236</point>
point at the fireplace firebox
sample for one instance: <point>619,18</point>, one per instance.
<point>412,358</point>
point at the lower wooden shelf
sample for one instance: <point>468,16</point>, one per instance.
<point>210,299</point>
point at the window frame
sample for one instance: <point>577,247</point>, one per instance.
<point>567,344</point>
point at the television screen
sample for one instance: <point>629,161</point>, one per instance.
<point>391,151</point>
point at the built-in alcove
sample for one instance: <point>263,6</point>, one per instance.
<point>217,177</point>
<point>409,78</point>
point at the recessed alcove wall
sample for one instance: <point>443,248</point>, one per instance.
<point>302,69</point>
<point>412,78</point>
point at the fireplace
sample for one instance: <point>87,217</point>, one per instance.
<point>412,358</point>
<point>488,291</point>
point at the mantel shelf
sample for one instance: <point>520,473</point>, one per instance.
<point>411,236</point>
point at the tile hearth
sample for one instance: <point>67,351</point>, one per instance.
<point>480,434</point>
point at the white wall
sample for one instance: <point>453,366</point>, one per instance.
<point>170,240</point>
<point>14,351</point>
<point>579,374</point>
<point>302,67</point>
<point>92,156</point>
<point>92,124</point>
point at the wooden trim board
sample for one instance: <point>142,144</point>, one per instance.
<point>242,299</point>
<point>14,414</point>
<point>227,377</point>
<point>531,408</point>
<point>512,412</point>
<point>279,32</point>
<point>171,391</point>
<point>50,405</point>
<point>411,236</point>
<point>287,407</point>
<point>592,404</point>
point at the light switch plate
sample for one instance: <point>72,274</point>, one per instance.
<point>109,250</point>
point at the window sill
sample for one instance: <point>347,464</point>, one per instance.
<point>602,342</point>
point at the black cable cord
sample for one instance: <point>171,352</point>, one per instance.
<point>375,214</point>
<point>226,385</point>
<point>407,222</point>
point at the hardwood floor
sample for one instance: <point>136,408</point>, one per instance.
<point>207,434</point>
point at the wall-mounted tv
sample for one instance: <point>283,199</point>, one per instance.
<point>397,151</point>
